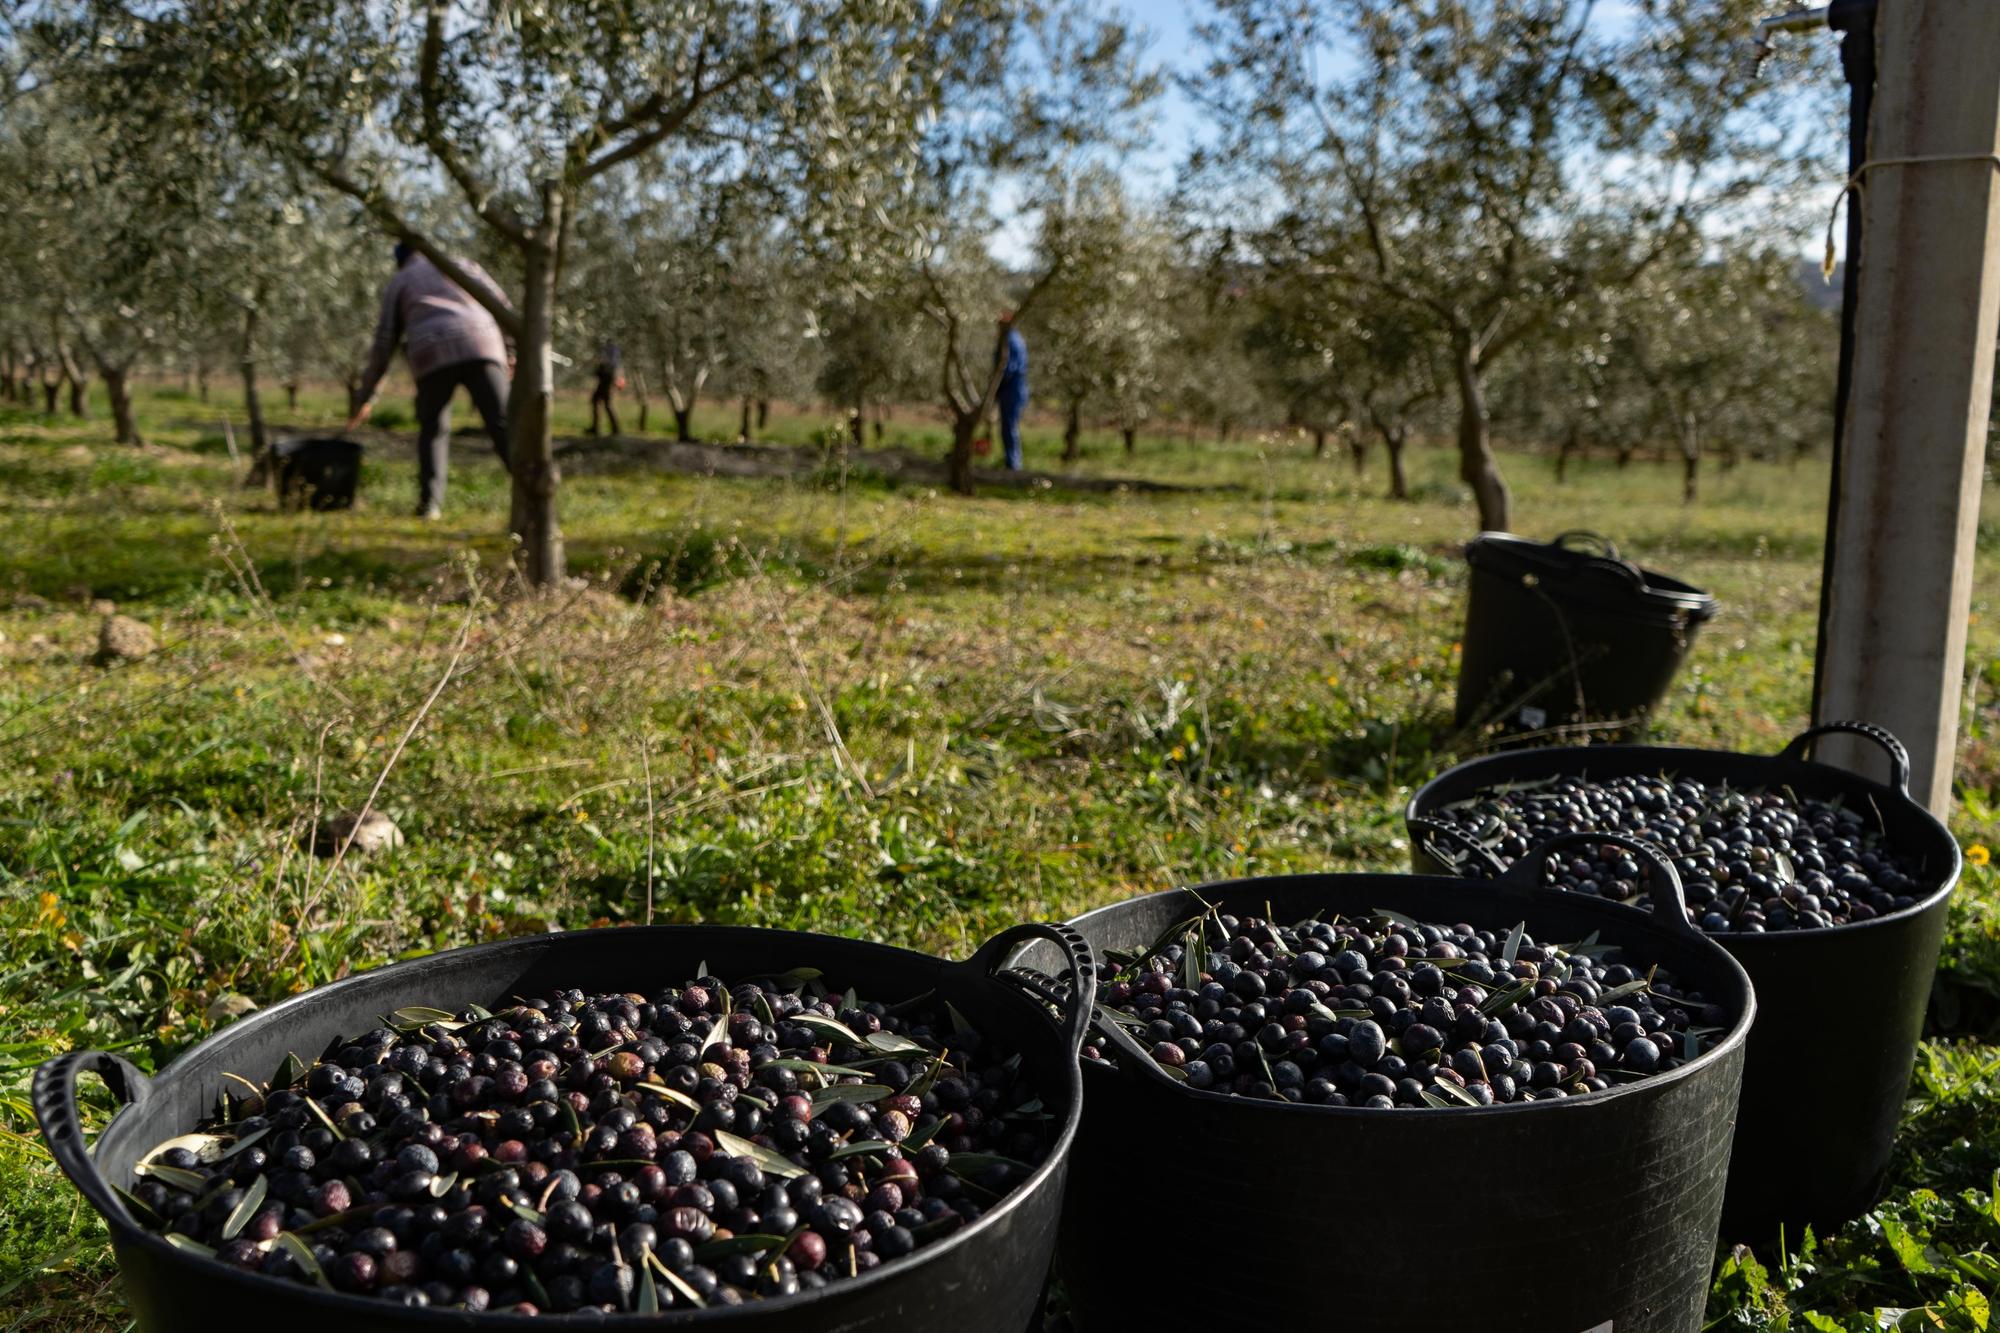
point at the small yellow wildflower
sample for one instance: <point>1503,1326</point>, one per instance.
<point>1978,855</point>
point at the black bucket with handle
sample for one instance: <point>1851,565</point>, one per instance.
<point>1568,632</point>
<point>317,473</point>
<point>1839,1009</point>
<point>1205,1210</point>
<point>989,1277</point>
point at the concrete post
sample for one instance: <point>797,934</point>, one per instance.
<point>1892,650</point>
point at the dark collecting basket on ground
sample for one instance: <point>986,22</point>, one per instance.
<point>1812,1146</point>
<point>987,1278</point>
<point>1194,1209</point>
<point>1556,635</point>
<point>317,473</point>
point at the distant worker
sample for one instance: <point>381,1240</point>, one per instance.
<point>451,340</point>
<point>609,376</point>
<point>1013,397</point>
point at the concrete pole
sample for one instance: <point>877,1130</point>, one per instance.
<point>1892,648</point>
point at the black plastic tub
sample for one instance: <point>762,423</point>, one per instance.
<point>1821,1097</point>
<point>1223,1212</point>
<point>318,473</point>
<point>1557,635</point>
<point>987,1278</point>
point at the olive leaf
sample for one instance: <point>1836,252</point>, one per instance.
<point>443,1185</point>
<point>1406,921</point>
<point>928,1075</point>
<point>290,1070</point>
<point>246,1208</point>
<point>256,1093</point>
<point>647,1300</point>
<point>891,1043</point>
<point>188,1243</point>
<point>922,1135</point>
<point>571,1123</point>
<point>662,1090</point>
<point>1512,948</point>
<point>205,1147</point>
<point>422,1015</point>
<point>138,1207</point>
<point>772,1161</point>
<point>859,1147</point>
<point>341,1219</point>
<point>1617,993</point>
<point>191,1181</point>
<point>302,1255</point>
<point>810,1067</point>
<point>755,1243</point>
<point>848,1092</point>
<point>674,1280</point>
<point>1191,952</point>
<point>243,1143</point>
<point>829,1027</point>
<point>1501,1001</point>
<point>1451,1090</point>
<point>312,1104</point>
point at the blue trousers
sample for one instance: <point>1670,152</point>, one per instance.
<point>1011,408</point>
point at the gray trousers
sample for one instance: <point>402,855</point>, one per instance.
<point>486,381</point>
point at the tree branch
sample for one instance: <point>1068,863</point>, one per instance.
<point>668,122</point>
<point>394,221</point>
<point>495,214</point>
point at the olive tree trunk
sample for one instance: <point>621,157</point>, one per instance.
<point>118,388</point>
<point>1572,446</point>
<point>253,402</point>
<point>531,442</point>
<point>1131,434</point>
<point>964,430</point>
<point>744,426</point>
<point>1399,475</point>
<point>1073,432</point>
<point>1476,464</point>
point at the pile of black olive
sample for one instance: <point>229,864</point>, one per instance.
<point>1384,1012</point>
<point>701,1147</point>
<point>1750,860</point>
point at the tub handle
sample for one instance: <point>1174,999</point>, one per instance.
<point>1077,1001</point>
<point>1669,898</point>
<point>53,1097</point>
<point>1488,862</point>
<point>1899,758</point>
<point>1606,548</point>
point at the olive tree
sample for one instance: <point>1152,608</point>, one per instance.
<point>1098,329</point>
<point>1058,86</point>
<point>522,110</point>
<point>1495,161</point>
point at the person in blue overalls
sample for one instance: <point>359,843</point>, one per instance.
<point>1013,396</point>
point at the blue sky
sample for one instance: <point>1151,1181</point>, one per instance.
<point>1178,124</point>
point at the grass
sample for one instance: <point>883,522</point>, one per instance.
<point>852,705</point>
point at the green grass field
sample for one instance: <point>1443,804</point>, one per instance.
<point>858,706</point>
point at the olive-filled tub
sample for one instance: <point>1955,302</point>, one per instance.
<point>1213,1210</point>
<point>989,1276</point>
<point>1812,1148</point>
